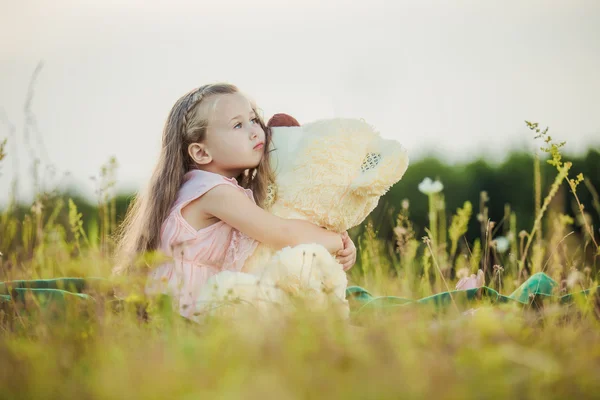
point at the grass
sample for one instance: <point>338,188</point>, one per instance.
<point>138,348</point>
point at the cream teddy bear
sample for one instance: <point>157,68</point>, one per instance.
<point>332,173</point>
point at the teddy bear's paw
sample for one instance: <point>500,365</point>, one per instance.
<point>290,285</point>
<point>235,294</point>
<point>307,262</point>
<point>326,303</point>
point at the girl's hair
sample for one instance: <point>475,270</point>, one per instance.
<point>140,230</point>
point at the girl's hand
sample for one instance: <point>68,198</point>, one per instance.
<point>347,256</point>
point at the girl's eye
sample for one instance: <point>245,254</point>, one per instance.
<point>254,120</point>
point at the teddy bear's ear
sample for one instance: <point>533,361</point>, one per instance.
<point>282,119</point>
<point>384,164</point>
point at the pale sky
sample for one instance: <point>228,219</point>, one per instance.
<point>454,77</point>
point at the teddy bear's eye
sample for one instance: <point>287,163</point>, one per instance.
<point>370,161</point>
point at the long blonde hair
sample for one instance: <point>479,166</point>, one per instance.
<point>140,231</point>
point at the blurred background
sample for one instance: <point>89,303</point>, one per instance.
<point>85,87</point>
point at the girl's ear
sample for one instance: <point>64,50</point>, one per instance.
<point>199,153</point>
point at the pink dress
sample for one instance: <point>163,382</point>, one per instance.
<point>197,254</point>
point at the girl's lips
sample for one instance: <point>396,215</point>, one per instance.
<point>259,146</point>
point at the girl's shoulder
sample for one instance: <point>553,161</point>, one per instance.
<point>197,182</point>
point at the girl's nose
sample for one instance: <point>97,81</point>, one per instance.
<point>253,134</point>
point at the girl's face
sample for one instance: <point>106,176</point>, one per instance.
<point>234,139</point>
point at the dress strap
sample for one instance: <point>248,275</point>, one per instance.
<point>198,182</point>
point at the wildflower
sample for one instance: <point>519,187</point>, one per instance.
<point>471,282</point>
<point>400,231</point>
<point>405,204</point>
<point>502,244</point>
<point>584,219</point>
<point>575,278</point>
<point>462,273</point>
<point>470,312</point>
<point>429,187</point>
<point>37,207</point>
<point>484,196</point>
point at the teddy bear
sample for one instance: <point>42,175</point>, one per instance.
<point>332,173</point>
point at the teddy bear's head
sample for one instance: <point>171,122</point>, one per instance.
<point>333,172</point>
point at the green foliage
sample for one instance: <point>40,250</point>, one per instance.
<point>510,182</point>
<point>76,224</point>
<point>2,151</point>
<point>459,225</point>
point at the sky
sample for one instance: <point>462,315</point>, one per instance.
<point>453,78</point>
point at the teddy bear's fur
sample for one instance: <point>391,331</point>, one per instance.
<point>305,274</point>
<point>332,173</point>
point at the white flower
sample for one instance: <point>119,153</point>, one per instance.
<point>430,187</point>
<point>502,244</point>
<point>575,278</point>
<point>471,282</point>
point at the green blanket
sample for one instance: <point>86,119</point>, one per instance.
<point>536,289</point>
<point>52,291</point>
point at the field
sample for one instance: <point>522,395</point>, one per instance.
<point>137,348</point>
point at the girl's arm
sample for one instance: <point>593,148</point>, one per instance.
<point>234,208</point>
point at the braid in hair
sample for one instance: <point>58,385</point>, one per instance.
<point>193,100</point>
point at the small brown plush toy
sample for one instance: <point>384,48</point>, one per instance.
<point>282,120</point>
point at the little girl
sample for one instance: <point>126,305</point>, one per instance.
<point>202,207</point>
